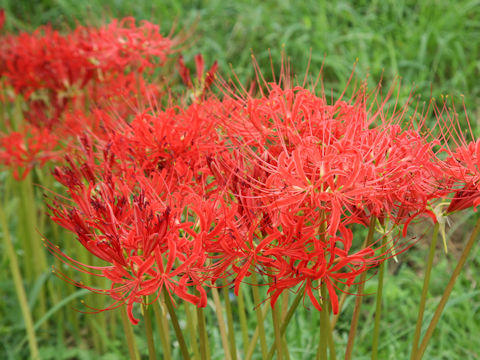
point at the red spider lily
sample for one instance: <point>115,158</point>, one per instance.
<point>174,141</point>
<point>464,163</point>
<point>312,170</point>
<point>2,18</point>
<point>63,76</point>
<point>58,62</point>
<point>54,71</point>
<point>29,147</point>
<point>140,198</point>
<point>135,225</point>
<point>312,157</point>
<point>203,80</point>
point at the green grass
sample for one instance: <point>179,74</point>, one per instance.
<point>432,46</point>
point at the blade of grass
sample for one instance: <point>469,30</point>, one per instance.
<point>20,291</point>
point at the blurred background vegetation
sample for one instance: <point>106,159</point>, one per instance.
<point>432,46</point>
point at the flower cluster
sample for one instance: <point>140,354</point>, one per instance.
<point>22,150</point>
<point>139,205</point>
<point>63,64</point>
<point>62,77</point>
<point>304,172</point>
<point>174,198</point>
<point>274,185</point>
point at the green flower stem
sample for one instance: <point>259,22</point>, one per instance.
<point>231,329</point>
<point>127,329</point>
<point>448,290</point>
<point>32,243</point>
<point>423,299</point>
<point>343,297</point>
<point>283,312</point>
<point>221,323</point>
<point>192,330</point>
<point>160,319</point>
<point>166,327</point>
<point>260,319</point>
<point>148,330</point>
<point>23,230</point>
<point>18,283</point>
<point>286,321</point>
<point>176,327</point>
<point>243,319</point>
<point>331,343</point>
<point>203,334</point>
<point>27,202</point>
<point>277,331</point>
<point>329,329</point>
<point>72,316</point>
<point>378,306</point>
<point>253,341</point>
<point>324,326</point>
<point>359,299</point>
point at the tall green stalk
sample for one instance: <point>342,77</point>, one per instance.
<point>277,330</point>
<point>243,319</point>
<point>176,327</point>
<point>286,320</point>
<point>326,335</point>
<point>448,290</point>
<point>148,330</point>
<point>230,324</point>
<point>359,298</point>
<point>202,329</point>
<point>378,306</point>
<point>128,330</point>
<point>160,317</point>
<point>423,299</point>
<point>253,341</point>
<point>261,327</point>
<point>18,283</point>
<point>192,330</point>
<point>221,323</point>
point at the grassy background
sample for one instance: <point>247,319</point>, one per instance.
<point>433,46</point>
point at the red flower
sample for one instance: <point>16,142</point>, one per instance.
<point>302,171</point>
<point>202,82</point>
<point>2,18</point>
<point>22,150</point>
<point>132,225</point>
<point>61,69</point>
